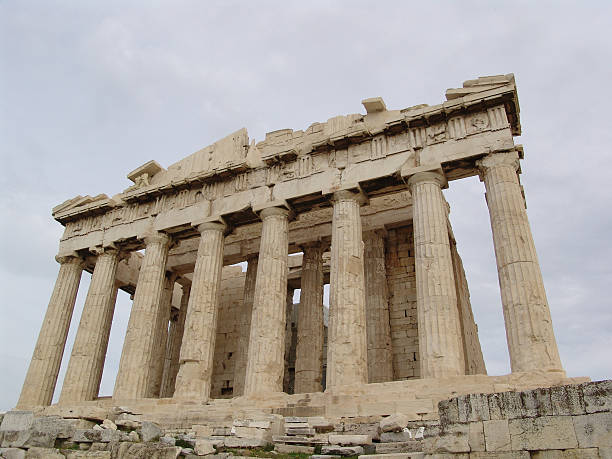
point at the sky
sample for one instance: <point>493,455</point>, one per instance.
<point>91,90</point>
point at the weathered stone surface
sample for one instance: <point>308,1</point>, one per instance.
<point>593,430</point>
<point>12,453</point>
<point>203,447</point>
<point>388,437</point>
<point>550,432</point>
<point>16,421</point>
<point>597,396</point>
<point>393,423</point>
<point>321,425</point>
<point>342,450</point>
<point>350,439</point>
<point>399,447</point>
<point>476,438</point>
<point>150,431</point>
<point>497,435</point>
<point>240,442</point>
<point>591,453</point>
<point>500,455</point>
<point>144,450</point>
<point>43,453</point>
<point>167,440</point>
<point>567,400</point>
<point>88,454</point>
<point>449,411</point>
<point>453,439</point>
<point>252,432</point>
<point>287,449</point>
<point>108,424</point>
<point>394,456</point>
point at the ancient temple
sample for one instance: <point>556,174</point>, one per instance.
<point>356,202</point>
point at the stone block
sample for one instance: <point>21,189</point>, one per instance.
<point>597,396</point>
<point>399,447</point>
<point>238,442</point>
<point>167,440</point>
<point>12,453</point>
<point>478,408</point>
<point>292,419</point>
<point>590,453</point>
<point>393,423</point>
<point>307,431</point>
<point>44,453</point>
<point>325,456</point>
<point>394,437</point>
<point>252,432</point>
<point>350,439</point>
<point>454,438</point>
<point>342,450</point>
<point>500,455</point>
<point>202,431</point>
<point>289,449</point>
<point>549,432</point>
<point>497,435</point>
<point>150,431</point>
<point>145,450</point>
<point>108,424</point>
<point>17,421</point>
<point>495,406</point>
<point>394,456</point>
<point>567,400</point>
<point>261,424</point>
<point>605,453</point>
<point>203,447</point>
<point>89,454</point>
<point>221,431</point>
<point>593,430</point>
<point>320,424</point>
<point>449,411</point>
<point>476,438</point>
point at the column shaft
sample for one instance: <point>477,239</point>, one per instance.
<point>380,352</point>
<point>41,378</point>
<point>175,339</point>
<point>309,350</point>
<point>288,341</point>
<point>161,337</point>
<point>440,344</point>
<point>347,342</point>
<point>194,378</point>
<point>245,327</point>
<point>134,379</point>
<point>265,364</point>
<point>531,340</point>
<point>84,373</point>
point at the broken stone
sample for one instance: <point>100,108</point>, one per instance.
<point>342,450</point>
<point>150,431</point>
<point>350,439</point>
<point>393,423</point>
<point>203,447</point>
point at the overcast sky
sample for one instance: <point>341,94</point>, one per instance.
<point>91,90</point>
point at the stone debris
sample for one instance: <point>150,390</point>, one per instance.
<point>393,423</point>
<point>342,450</point>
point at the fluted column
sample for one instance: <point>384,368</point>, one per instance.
<point>134,379</point>
<point>531,340</point>
<point>347,343</point>
<point>265,364</point>
<point>173,350</point>
<point>245,326</point>
<point>161,334</point>
<point>440,344</point>
<point>84,373</point>
<point>288,340</point>
<point>41,378</point>
<point>380,352</point>
<point>309,350</point>
<point>194,377</point>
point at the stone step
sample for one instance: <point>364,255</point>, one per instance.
<point>412,446</point>
<point>417,455</point>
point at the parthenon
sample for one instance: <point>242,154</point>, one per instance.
<point>355,202</point>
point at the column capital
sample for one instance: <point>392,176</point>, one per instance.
<point>507,158</point>
<point>273,211</point>
<point>350,195</point>
<point>157,238</point>
<point>432,176</point>
<point>70,259</point>
<point>212,226</point>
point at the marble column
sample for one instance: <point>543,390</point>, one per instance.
<point>194,378</point>
<point>440,343</point>
<point>41,378</point>
<point>531,340</point>
<point>84,373</point>
<point>347,342</point>
<point>245,326</point>
<point>310,335</point>
<point>378,328</point>
<point>265,364</point>
<point>161,337</point>
<point>134,379</point>
<point>173,350</point>
<point>288,340</point>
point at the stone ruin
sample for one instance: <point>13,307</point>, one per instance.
<point>221,358</point>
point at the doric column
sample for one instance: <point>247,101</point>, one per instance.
<point>173,351</point>
<point>309,350</point>
<point>194,377</point>
<point>265,364</point>
<point>531,340</point>
<point>440,344</point>
<point>245,327</point>
<point>380,352</point>
<point>347,345</point>
<point>288,340</point>
<point>134,379</point>
<point>82,381</point>
<point>41,378</point>
<point>161,337</point>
